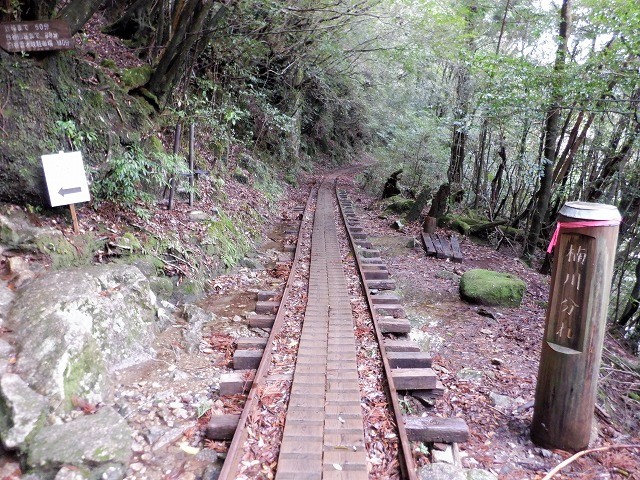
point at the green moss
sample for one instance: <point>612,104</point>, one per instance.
<point>65,254</point>
<point>487,287</point>
<point>291,179</point>
<point>136,76</point>
<point>82,373</point>
<point>108,63</point>
<point>161,286</point>
<point>226,240</point>
<point>514,233</point>
<point>154,145</point>
<point>398,204</point>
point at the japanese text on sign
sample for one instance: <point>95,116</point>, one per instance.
<point>35,36</point>
<point>571,291</point>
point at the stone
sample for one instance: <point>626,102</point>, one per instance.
<point>487,287</point>
<point>172,435</point>
<point>443,456</point>
<point>413,243</point>
<point>501,401</point>
<point>17,232</point>
<point>199,216</point>
<point>161,286</point>
<point>441,471</point>
<point>398,204</point>
<point>470,375</point>
<point>397,225</point>
<point>74,327</point>
<point>6,297</point>
<point>165,319</point>
<point>21,410</point>
<point>66,473</point>
<point>479,474</point>
<point>212,472</point>
<point>90,441</point>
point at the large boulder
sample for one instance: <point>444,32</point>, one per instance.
<point>487,287</point>
<point>21,411</point>
<point>73,327</point>
<point>99,441</point>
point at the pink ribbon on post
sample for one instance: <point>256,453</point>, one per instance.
<point>572,225</point>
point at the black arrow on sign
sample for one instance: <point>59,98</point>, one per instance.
<point>65,191</point>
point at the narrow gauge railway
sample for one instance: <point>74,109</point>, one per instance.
<point>322,402</point>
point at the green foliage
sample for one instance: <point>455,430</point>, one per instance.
<point>133,175</point>
<point>226,240</point>
<point>75,137</point>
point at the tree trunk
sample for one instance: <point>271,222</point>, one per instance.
<point>37,9</point>
<point>496,183</point>
<point>418,205</point>
<point>78,12</point>
<point>479,170</point>
<point>459,138</point>
<point>129,22</point>
<point>439,203</point>
<point>550,139</point>
<point>174,62</point>
<point>633,303</point>
<point>616,158</point>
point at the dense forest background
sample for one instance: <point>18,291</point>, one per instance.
<point>510,108</point>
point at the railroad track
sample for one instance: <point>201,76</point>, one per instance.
<point>311,411</point>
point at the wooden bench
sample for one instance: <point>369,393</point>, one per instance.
<point>440,246</point>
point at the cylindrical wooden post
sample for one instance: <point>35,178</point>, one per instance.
<point>192,162</point>
<point>172,181</point>
<point>430,224</point>
<point>585,247</point>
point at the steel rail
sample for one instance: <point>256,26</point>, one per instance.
<point>232,461</point>
<point>407,463</point>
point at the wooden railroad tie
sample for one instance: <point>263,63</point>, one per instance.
<point>261,320</point>
<point>440,246</point>
<point>434,429</point>
<point>247,359</point>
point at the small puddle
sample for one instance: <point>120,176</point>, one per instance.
<point>237,304</point>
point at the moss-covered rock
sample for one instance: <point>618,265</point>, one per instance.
<point>136,76</point>
<point>487,287</point>
<point>398,204</point>
<point>52,106</point>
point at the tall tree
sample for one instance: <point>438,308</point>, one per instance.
<point>552,119</point>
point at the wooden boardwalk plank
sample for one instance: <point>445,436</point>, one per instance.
<point>429,247</point>
<point>446,246</point>
<point>455,247</point>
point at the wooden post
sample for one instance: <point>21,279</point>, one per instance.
<point>176,149</point>
<point>429,225</point>
<point>586,237</point>
<point>192,135</point>
<point>74,218</point>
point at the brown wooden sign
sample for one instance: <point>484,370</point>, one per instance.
<point>568,317</point>
<point>35,36</point>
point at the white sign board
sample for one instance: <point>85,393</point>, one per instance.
<point>66,180</point>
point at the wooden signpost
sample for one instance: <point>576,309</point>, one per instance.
<point>66,181</point>
<point>585,247</point>
<point>37,36</point>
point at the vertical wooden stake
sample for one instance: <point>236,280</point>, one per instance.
<point>575,325</point>
<point>192,134</point>
<point>74,217</point>
<point>176,149</point>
